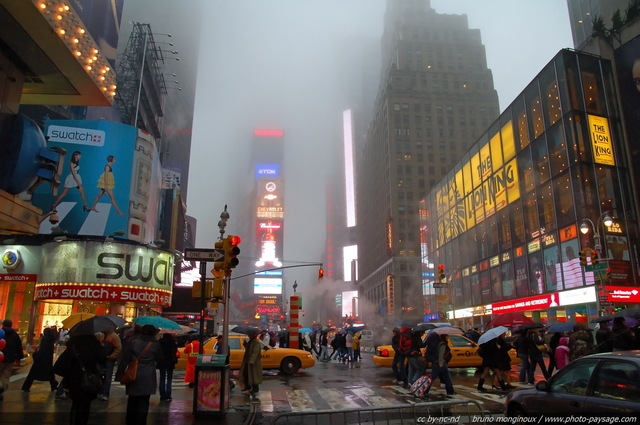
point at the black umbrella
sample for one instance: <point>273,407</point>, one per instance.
<point>283,333</point>
<point>424,327</point>
<point>628,312</point>
<point>601,319</point>
<point>245,329</point>
<point>531,326</point>
<point>92,325</point>
<point>119,321</point>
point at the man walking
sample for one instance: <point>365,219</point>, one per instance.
<point>112,347</point>
<point>12,352</point>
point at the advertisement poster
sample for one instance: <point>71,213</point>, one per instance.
<point>209,389</point>
<point>110,183</point>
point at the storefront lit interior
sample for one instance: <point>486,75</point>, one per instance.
<point>506,221</point>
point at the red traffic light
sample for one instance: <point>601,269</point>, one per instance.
<point>320,273</point>
<point>235,240</point>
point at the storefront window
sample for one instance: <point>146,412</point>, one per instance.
<point>592,85</point>
<point>522,127</point>
<point>530,208</point>
<point>517,223</point>
<point>534,109</point>
<point>540,160</point>
<point>552,269</point>
<point>557,150</point>
<point>550,96</point>
<point>525,168</point>
<point>536,273</point>
<point>571,268</point>
<point>508,282</point>
<point>573,99</point>
<point>521,272</point>
<point>563,195</point>
<point>496,284</point>
<point>504,229</point>
<point>545,208</point>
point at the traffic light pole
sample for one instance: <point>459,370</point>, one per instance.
<point>203,302</point>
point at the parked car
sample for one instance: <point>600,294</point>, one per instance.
<point>607,383</point>
<point>288,360</point>
<point>464,351</point>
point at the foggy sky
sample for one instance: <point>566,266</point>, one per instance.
<point>281,64</point>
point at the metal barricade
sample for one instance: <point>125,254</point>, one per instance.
<point>464,411</point>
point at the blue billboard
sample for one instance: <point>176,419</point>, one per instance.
<point>267,171</point>
<point>110,182</point>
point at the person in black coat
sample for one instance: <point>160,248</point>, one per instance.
<point>490,355</point>
<point>139,391</point>
<point>167,365</point>
<point>42,368</point>
<point>82,351</point>
<point>12,351</point>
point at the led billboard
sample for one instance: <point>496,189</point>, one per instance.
<point>267,286</point>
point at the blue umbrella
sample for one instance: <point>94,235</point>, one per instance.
<point>305,330</point>
<point>157,321</point>
<point>560,327</point>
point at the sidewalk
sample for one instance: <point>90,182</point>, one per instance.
<point>39,406</point>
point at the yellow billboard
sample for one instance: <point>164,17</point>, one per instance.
<point>601,140</point>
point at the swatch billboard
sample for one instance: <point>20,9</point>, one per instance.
<point>110,183</point>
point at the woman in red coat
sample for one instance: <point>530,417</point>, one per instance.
<point>191,350</point>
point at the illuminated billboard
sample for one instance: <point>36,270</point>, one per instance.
<point>270,202</point>
<point>480,187</point>
<point>267,286</point>
<point>269,239</point>
<point>111,181</point>
<point>267,171</point>
<point>601,140</point>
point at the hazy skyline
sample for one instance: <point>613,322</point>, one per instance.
<point>281,64</point>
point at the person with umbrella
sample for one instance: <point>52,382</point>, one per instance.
<point>489,352</point>
<point>503,365</point>
<point>604,338</point>
<point>535,355</point>
<point>84,351</point>
<point>112,347</point>
<point>251,367</point>
<point>623,339</point>
<point>42,368</point>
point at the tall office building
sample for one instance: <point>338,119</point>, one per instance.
<point>435,98</point>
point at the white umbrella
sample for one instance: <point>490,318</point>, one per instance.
<point>492,333</point>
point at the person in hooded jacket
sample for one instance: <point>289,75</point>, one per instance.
<point>82,351</point>
<point>42,368</point>
<point>12,351</point>
<point>148,351</point>
<point>563,353</point>
<point>167,365</point>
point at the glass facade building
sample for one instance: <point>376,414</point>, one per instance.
<point>505,222</point>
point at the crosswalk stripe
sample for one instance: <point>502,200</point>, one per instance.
<point>370,397</point>
<point>300,401</point>
<point>336,398</point>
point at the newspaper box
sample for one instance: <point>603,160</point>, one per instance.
<point>211,393</point>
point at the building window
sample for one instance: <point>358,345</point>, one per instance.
<point>396,106</point>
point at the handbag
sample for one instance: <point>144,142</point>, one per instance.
<point>91,382</point>
<point>131,372</point>
<point>544,348</point>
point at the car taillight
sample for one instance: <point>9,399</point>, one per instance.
<point>384,353</point>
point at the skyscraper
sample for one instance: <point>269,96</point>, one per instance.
<point>436,96</point>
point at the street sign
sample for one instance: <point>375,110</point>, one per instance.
<point>603,298</point>
<point>203,254</point>
<point>602,266</point>
<point>440,285</point>
<point>606,304</point>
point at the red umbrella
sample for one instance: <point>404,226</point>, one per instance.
<point>510,319</point>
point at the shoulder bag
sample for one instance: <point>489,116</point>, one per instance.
<point>131,372</point>
<point>91,382</point>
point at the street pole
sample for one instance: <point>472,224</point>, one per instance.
<point>203,302</point>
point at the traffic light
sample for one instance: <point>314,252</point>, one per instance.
<point>594,257</point>
<point>441,275</point>
<point>583,257</point>
<point>320,273</point>
<point>607,277</point>
<point>196,290</point>
<point>219,265</point>
<point>217,288</point>
<point>231,251</point>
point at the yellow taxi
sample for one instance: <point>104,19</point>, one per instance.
<point>463,350</point>
<point>288,360</point>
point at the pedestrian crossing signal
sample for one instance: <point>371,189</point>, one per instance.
<point>594,257</point>
<point>607,277</point>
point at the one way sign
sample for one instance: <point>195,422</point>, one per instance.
<point>203,254</point>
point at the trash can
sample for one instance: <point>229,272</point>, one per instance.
<point>211,392</point>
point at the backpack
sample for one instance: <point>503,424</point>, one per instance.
<point>580,349</point>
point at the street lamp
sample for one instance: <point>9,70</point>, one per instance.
<point>605,219</point>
